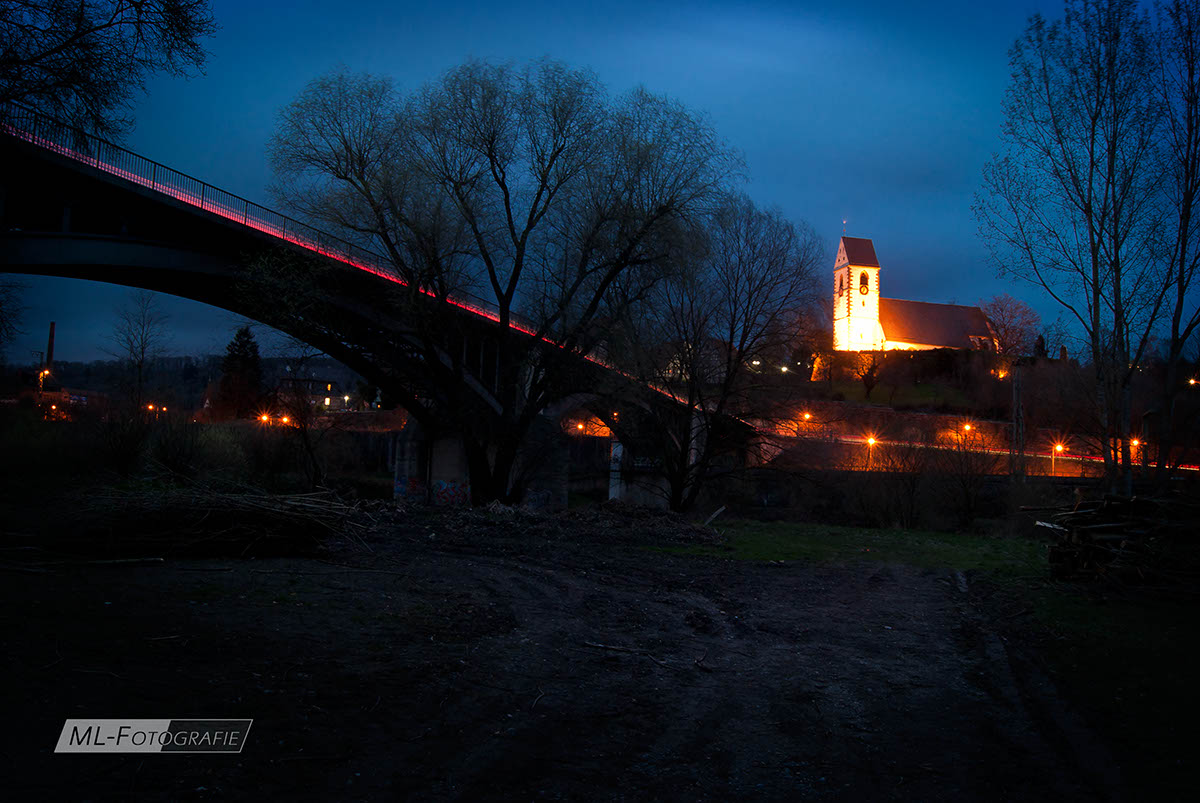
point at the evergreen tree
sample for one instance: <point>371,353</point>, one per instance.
<point>241,376</point>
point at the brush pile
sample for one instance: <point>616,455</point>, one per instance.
<point>1142,541</point>
<point>200,521</point>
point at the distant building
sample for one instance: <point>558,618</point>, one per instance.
<point>863,321</point>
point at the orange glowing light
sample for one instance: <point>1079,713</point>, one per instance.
<point>54,407</point>
<point>870,441</point>
<point>1058,447</point>
<point>149,406</point>
<point>264,417</point>
<point>285,419</point>
<point>579,426</point>
<point>1191,381</point>
<point>966,427</point>
<point>808,416</point>
<point>1136,442</point>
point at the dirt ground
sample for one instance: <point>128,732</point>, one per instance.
<point>451,656</point>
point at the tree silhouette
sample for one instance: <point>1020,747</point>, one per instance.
<point>139,338</point>
<point>241,376</point>
<point>1073,203</point>
<point>1015,323</point>
<point>84,61</point>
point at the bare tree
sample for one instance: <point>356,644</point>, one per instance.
<point>84,60</point>
<point>720,337</point>
<point>865,367</point>
<point>533,188</point>
<point>902,470</point>
<point>963,467</point>
<point>1015,323</point>
<point>1071,205</point>
<point>1178,83</point>
<point>138,338</point>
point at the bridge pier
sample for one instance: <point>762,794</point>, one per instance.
<point>546,461</point>
<point>616,484</point>
<point>434,470</point>
<point>430,470</point>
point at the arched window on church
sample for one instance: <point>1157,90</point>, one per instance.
<point>840,288</point>
<point>864,281</point>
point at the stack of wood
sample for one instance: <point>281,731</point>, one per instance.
<point>1140,540</point>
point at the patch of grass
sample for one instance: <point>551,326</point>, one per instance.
<point>926,394</point>
<point>822,543</point>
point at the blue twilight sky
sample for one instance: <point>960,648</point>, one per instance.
<point>880,113</point>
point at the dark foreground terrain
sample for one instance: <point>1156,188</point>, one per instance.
<point>468,656</point>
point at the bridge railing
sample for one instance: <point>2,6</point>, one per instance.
<point>78,145</point>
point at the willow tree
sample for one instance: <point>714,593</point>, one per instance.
<point>533,191</point>
<point>1072,204</point>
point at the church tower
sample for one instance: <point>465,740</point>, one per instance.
<point>856,324</point>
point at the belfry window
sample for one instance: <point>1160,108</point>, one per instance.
<point>863,280</point>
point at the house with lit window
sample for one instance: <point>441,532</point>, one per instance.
<point>864,321</point>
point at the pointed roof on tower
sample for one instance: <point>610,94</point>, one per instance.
<point>857,251</point>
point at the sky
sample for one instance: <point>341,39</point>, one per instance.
<point>880,114</point>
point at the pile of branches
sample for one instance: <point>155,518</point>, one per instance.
<point>1138,540</point>
<point>198,520</point>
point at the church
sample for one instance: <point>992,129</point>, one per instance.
<point>862,321</point>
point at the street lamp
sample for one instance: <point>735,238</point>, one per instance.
<point>1058,447</point>
<point>870,451</point>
